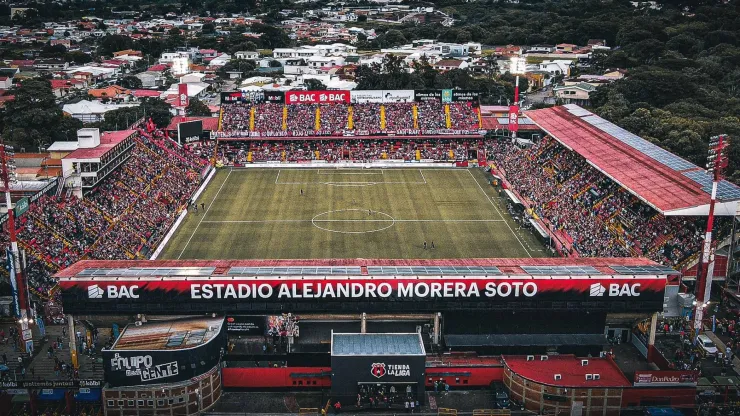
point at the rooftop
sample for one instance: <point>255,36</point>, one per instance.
<point>377,344</point>
<point>320,267</point>
<point>209,123</point>
<point>571,370</point>
<point>168,335</point>
<point>666,182</point>
<point>108,140</point>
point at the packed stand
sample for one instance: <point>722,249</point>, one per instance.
<point>399,116</point>
<point>235,119</point>
<point>125,216</point>
<point>600,217</point>
<point>333,119</point>
<point>431,115</point>
<point>463,116</point>
<point>301,119</point>
<point>366,118</point>
<point>355,150</point>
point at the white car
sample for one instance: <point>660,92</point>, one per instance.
<point>707,345</point>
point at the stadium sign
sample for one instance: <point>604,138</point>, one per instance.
<point>189,131</point>
<point>20,207</point>
<point>80,293</point>
<point>666,378</point>
<point>381,96</point>
<point>317,97</point>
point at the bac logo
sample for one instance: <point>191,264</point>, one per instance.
<point>378,370</point>
<point>113,292</point>
<point>616,290</point>
<point>94,292</point>
<point>597,289</point>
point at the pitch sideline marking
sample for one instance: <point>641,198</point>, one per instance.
<point>278,177</point>
<point>499,213</point>
<point>205,213</point>
<point>422,177</point>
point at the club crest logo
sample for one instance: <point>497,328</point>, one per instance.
<point>378,370</point>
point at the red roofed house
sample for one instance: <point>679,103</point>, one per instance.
<point>450,64</point>
<point>553,383</point>
<point>158,68</point>
<point>96,153</point>
<point>146,93</point>
<point>62,87</point>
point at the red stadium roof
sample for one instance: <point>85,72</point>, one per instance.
<point>209,123</point>
<point>508,266</point>
<point>671,185</point>
<point>571,370</point>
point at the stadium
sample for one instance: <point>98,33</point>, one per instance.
<point>368,245</point>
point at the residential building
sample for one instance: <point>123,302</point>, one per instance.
<point>247,55</point>
<point>574,94</point>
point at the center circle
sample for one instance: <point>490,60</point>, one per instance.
<point>353,221</point>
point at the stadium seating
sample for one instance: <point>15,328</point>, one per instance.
<point>359,150</point>
<point>600,217</point>
<point>334,119</point>
<point>124,217</point>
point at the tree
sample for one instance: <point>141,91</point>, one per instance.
<point>208,28</point>
<point>240,65</point>
<point>114,43</point>
<point>34,117</point>
<point>130,82</point>
<point>197,108</point>
<point>314,84</point>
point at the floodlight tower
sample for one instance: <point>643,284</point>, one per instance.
<point>517,67</point>
<point>716,162</point>
<point>7,178</point>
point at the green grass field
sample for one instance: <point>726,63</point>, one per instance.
<point>350,213</point>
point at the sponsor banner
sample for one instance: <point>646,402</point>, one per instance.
<point>283,289</point>
<point>20,207</point>
<point>513,118</point>
<point>133,368</point>
<point>463,95</point>
<point>428,95</point>
<point>348,371</point>
<point>277,97</point>
<point>189,131</point>
<point>446,96</point>
<point>231,97</point>
<point>382,96</point>
<point>398,96</point>
<point>50,384</point>
<point>182,91</point>
<point>366,96</point>
<point>317,97</point>
<point>666,378</point>
<point>246,325</point>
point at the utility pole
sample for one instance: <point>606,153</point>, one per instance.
<point>8,177</point>
<point>716,162</point>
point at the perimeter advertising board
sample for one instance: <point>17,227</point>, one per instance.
<point>381,96</point>
<point>189,131</point>
<point>317,97</point>
<point>250,293</point>
<point>666,378</point>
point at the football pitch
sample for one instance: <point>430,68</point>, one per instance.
<point>350,213</point>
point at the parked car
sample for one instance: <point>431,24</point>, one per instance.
<point>500,396</point>
<point>707,346</point>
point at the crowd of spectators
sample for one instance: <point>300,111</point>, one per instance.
<point>124,217</point>
<point>358,150</point>
<point>599,216</point>
<point>431,115</point>
<point>334,118</point>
